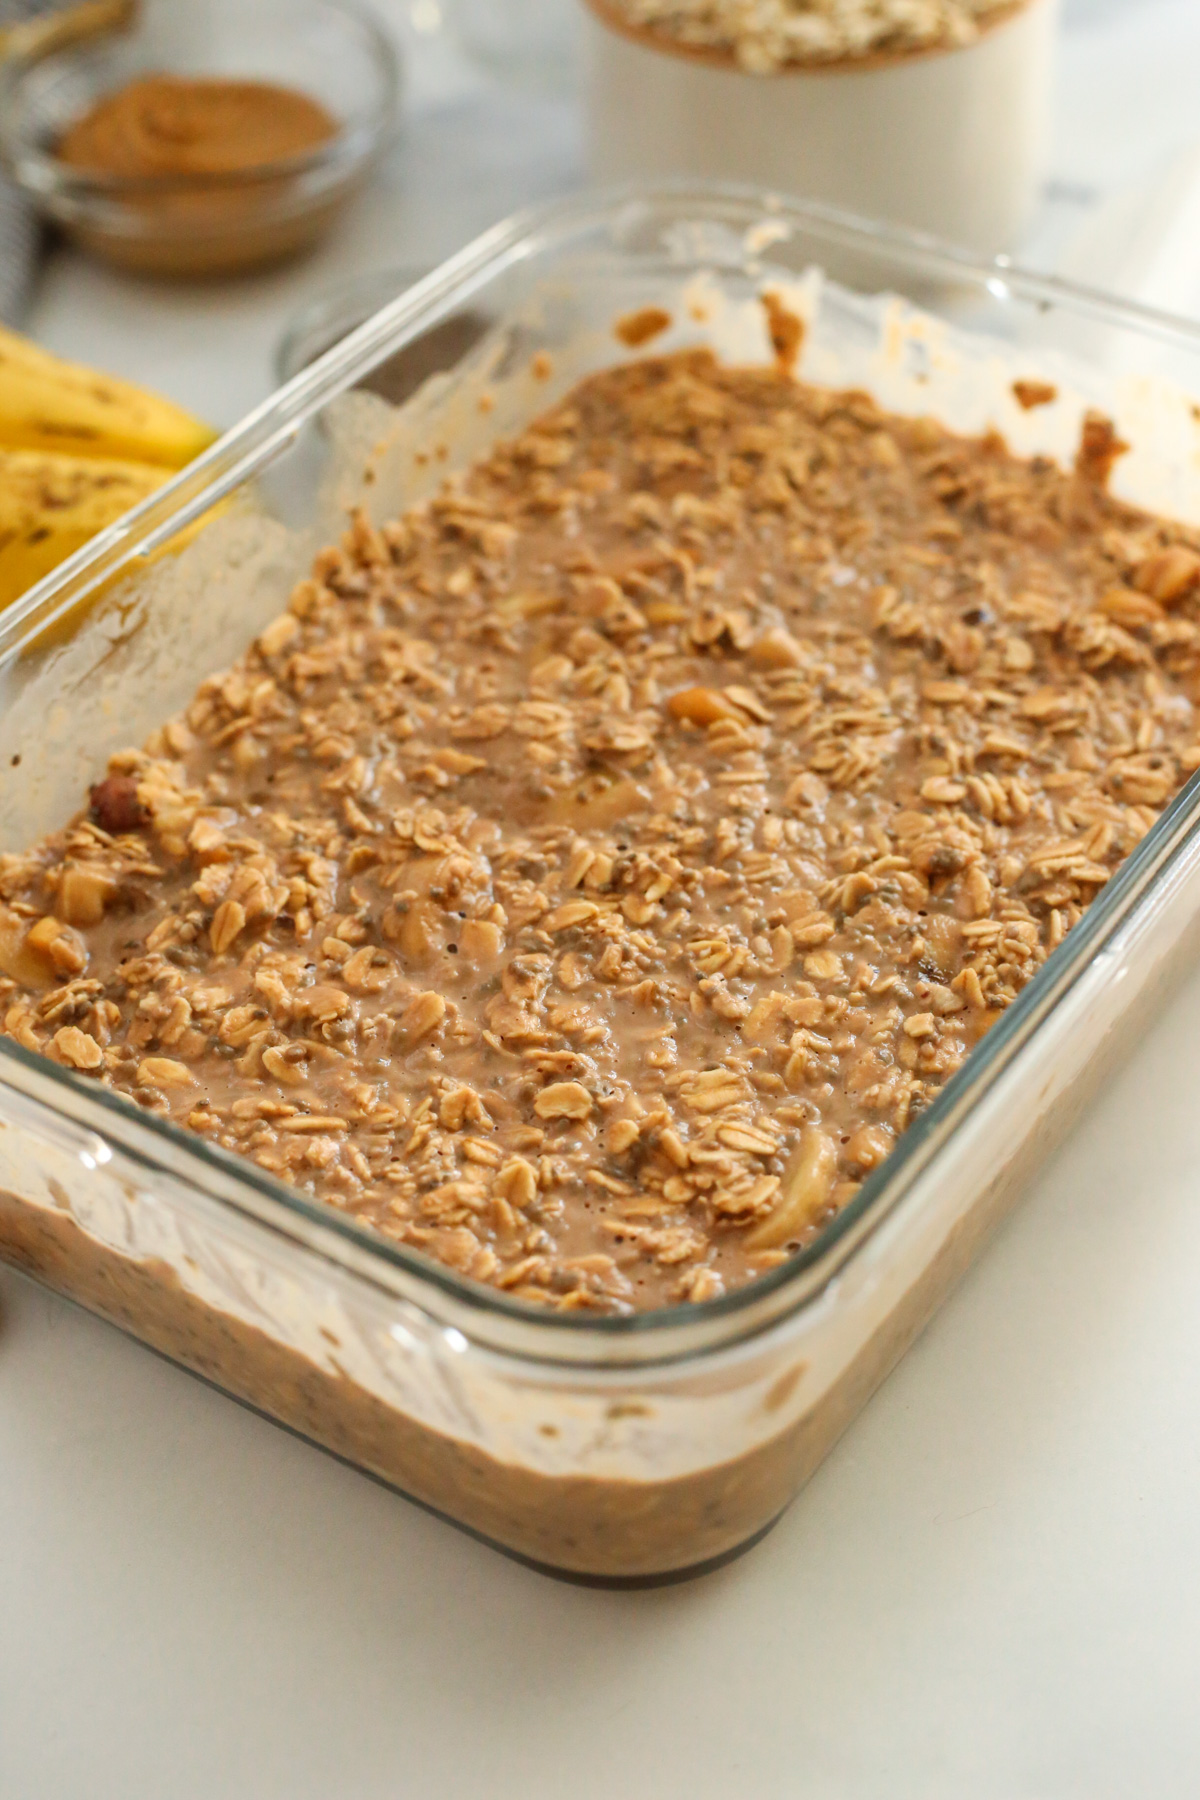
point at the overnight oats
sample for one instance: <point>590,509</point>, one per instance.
<point>594,871</point>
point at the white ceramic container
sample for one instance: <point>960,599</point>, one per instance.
<point>951,141</point>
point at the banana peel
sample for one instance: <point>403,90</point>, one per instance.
<point>77,450</point>
<point>65,627</point>
<point>50,505</point>
<point>48,404</point>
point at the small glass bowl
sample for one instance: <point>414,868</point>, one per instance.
<point>208,224</point>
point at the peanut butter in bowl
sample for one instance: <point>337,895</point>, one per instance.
<point>168,125</point>
<point>182,154</point>
<point>200,162</point>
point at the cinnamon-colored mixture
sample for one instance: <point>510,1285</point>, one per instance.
<point>592,872</point>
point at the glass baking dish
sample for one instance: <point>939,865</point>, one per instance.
<point>618,1449</point>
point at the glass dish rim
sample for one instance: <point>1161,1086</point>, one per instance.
<point>661,1335</point>
<point>48,178</point>
<point>324,309</point>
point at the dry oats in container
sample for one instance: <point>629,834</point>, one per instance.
<point>929,113</point>
<point>766,35</point>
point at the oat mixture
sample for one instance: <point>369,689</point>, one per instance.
<point>592,872</point>
<point>766,35</point>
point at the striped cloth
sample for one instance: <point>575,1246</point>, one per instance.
<point>20,233</point>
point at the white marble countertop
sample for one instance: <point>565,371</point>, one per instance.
<point>991,1591</point>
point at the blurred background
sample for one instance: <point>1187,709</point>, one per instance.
<point>491,116</point>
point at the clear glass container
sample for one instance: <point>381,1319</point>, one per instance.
<point>614,1449</point>
<point>333,315</point>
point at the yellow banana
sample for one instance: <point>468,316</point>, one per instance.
<point>49,404</point>
<point>51,504</point>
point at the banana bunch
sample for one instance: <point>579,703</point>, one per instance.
<point>77,449</point>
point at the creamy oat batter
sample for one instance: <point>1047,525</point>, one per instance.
<point>592,872</point>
